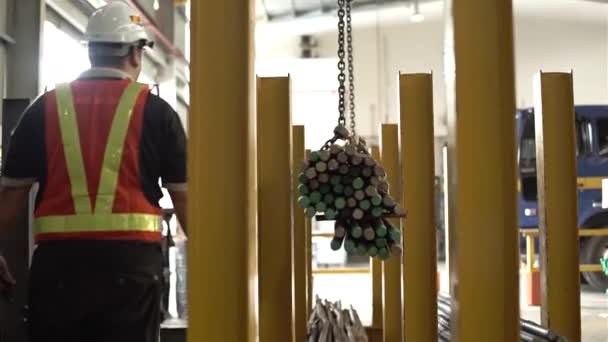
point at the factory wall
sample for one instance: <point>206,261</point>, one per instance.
<point>546,43</point>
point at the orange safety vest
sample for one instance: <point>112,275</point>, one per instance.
<point>93,188</point>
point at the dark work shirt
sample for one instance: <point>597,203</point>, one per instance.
<point>162,156</point>
<point>162,148</point>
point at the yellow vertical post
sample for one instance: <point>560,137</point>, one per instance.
<point>376,270</point>
<point>298,246</point>
<point>418,179</point>
<point>309,276</point>
<point>274,144</point>
<point>479,71</point>
<point>531,253</point>
<point>557,203</point>
<point>221,163</point>
<point>391,268</point>
<point>446,215</point>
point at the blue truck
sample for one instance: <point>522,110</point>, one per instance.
<point>592,166</point>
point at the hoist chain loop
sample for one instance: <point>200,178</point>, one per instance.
<point>341,64</point>
<point>351,66</point>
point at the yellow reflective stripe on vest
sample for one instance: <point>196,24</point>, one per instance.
<point>71,147</point>
<point>97,223</point>
<point>114,149</point>
<point>85,218</point>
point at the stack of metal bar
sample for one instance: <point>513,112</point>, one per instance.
<point>330,323</point>
<point>342,182</point>
<point>529,331</point>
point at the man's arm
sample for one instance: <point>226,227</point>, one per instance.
<point>180,204</point>
<point>12,202</point>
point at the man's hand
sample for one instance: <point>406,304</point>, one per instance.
<point>7,282</point>
<point>180,203</point>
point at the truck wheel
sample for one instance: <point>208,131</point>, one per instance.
<point>592,250</point>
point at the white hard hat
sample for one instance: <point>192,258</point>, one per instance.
<point>115,23</point>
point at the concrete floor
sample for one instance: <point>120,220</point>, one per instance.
<point>594,315</point>
<point>594,309</point>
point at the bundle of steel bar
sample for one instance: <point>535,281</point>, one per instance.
<point>529,331</point>
<point>343,182</point>
<point>330,323</point>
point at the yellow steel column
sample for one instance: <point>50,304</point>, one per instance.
<point>557,203</point>
<point>298,246</point>
<point>391,268</point>
<point>221,173</point>
<point>479,71</point>
<point>274,143</point>
<point>418,186</point>
<point>309,276</point>
<point>376,271</point>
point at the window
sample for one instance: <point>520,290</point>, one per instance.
<point>63,57</point>
<point>602,136</point>
<point>527,146</point>
<point>584,137</point>
<point>584,140</point>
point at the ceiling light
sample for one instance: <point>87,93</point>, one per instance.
<point>417,16</point>
<point>156,5</point>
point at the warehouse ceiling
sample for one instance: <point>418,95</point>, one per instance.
<point>285,9</point>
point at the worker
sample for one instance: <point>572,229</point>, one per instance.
<point>98,148</point>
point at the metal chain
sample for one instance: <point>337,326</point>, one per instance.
<point>341,63</point>
<point>351,67</point>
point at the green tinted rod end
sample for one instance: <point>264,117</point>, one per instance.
<point>356,231</point>
<point>377,212</point>
<point>372,251</point>
<point>380,242</point>
<point>315,197</point>
<point>383,253</point>
<point>330,214</point>
<point>340,203</point>
<point>321,207</point>
<point>349,246</point>
<point>358,183</point>
<point>303,189</point>
<point>376,200</point>
<point>361,249</point>
<point>338,189</point>
<point>304,202</point>
<point>336,243</point>
<point>394,234</point>
<point>365,205</point>
<point>310,212</point>
<point>314,156</point>
<point>381,231</point>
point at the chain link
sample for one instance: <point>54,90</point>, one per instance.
<point>351,67</point>
<point>341,64</point>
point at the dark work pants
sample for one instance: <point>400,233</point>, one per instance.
<point>92,299</point>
